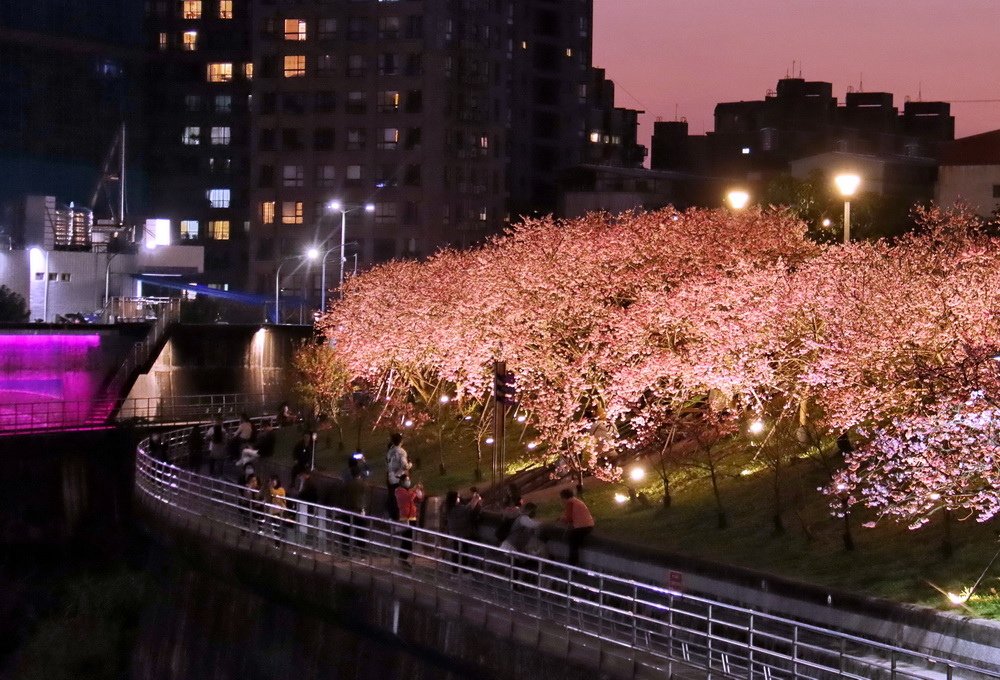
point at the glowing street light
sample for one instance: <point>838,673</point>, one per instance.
<point>338,206</point>
<point>847,184</point>
<point>489,440</point>
<point>637,474</point>
<point>737,199</point>
<point>620,498</point>
<point>444,399</point>
<point>756,427</point>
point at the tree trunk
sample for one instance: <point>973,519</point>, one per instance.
<point>579,483</point>
<point>723,520</point>
<point>667,500</point>
<point>947,547</point>
<point>779,524</point>
<point>848,537</point>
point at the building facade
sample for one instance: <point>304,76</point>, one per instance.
<point>274,122</point>
<point>197,95</point>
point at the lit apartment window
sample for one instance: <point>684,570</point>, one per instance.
<point>191,136</point>
<point>595,136</point>
<point>191,9</point>
<point>295,29</point>
<point>292,176</point>
<point>326,175</point>
<point>295,65</point>
<point>221,136</point>
<point>189,229</point>
<point>189,41</point>
<point>163,42</point>
<point>225,9</point>
<point>218,198</point>
<point>267,212</point>
<point>388,101</point>
<point>223,103</point>
<point>291,212</point>
<point>484,142</point>
<point>389,139</point>
<point>248,70</point>
<point>218,230</point>
<point>569,52</point>
<point>220,72</point>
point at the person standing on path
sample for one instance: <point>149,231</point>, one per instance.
<point>216,448</point>
<point>576,515</point>
<point>408,499</point>
<point>397,465</point>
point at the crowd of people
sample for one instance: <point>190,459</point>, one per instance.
<point>238,453</point>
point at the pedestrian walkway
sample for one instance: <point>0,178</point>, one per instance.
<point>622,627</point>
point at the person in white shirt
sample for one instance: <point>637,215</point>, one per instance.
<point>397,464</point>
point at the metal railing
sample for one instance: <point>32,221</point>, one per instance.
<point>21,418</point>
<point>167,312</point>
<point>640,622</point>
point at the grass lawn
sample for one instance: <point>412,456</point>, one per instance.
<point>427,448</point>
<point>888,561</point>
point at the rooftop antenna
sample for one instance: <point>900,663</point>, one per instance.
<point>675,112</point>
<point>800,69</point>
<point>920,91</point>
<point>861,82</point>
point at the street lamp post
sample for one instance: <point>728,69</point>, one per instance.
<point>277,280</point>
<point>337,206</point>
<point>107,279</point>
<point>847,184</point>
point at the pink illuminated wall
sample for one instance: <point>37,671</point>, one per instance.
<point>43,367</point>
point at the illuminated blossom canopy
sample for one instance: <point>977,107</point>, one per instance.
<point>612,323</point>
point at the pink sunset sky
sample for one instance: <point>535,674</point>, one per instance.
<point>678,57</point>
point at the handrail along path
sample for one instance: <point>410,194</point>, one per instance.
<point>647,626</point>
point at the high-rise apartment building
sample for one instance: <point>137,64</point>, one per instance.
<point>449,117</point>
<point>199,73</point>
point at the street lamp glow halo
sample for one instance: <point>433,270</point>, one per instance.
<point>847,183</point>
<point>637,474</point>
<point>737,198</point>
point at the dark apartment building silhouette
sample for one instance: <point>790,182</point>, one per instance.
<point>802,118</point>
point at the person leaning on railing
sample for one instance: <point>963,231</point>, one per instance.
<point>576,515</point>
